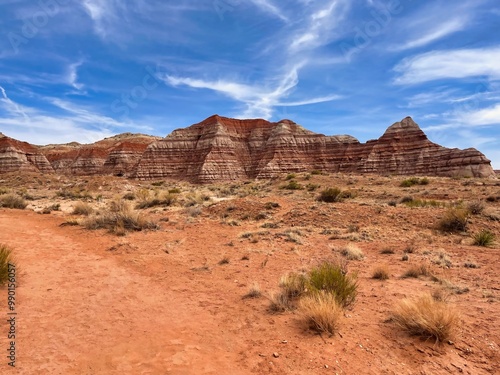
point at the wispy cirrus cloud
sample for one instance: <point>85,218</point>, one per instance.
<point>269,7</point>
<point>453,64</point>
<point>433,33</point>
<point>259,100</point>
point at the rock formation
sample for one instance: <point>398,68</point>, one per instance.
<point>220,148</point>
<point>116,155</point>
<point>21,156</point>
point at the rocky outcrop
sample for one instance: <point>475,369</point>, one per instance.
<point>116,155</point>
<point>21,156</point>
<point>404,149</point>
<point>220,148</point>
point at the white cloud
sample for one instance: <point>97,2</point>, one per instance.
<point>259,101</point>
<point>481,117</point>
<point>320,27</point>
<point>452,64</point>
<point>268,7</point>
<point>72,76</point>
<point>38,127</point>
<point>434,33</point>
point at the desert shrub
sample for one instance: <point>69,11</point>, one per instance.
<point>13,201</point>
<point>3,191</point>
<point>271,205</point>
<point>118,220</point>
<point>54,207</point>
<point>331,195</point>
<point>82,208</point>
<point>253,292</point>
<point>476,207</point>
<point>334,279</point>
<point>193,211</point>
<point>381,273</point>
<point>484,238</point>
<point>129,196</point>
<point>392,203</point>
<point>279,302</point>
<point>5,260</point>
<point>387,251</point>
<point>406,199</point>
<point>414,181</point>
<point>158,183</point>
<point>223,261</point>
<point>316,172</point>
<point>442,259</point>
<point>290,176</point>
<point>423,203</point>
<point>492,199</point>
<point>352,252</point>
<point>425,316</point>
<point>454,220</point>
<point>160,200</point>
<point>321,312</point>
<point>312,187</point>
<point>174,191</point>
<point>293,284</point>
<point>417,270</point>
<point>292,185</point>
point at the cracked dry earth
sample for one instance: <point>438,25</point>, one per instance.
<point>159,302</point>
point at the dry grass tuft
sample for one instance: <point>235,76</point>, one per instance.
<point>417,270</point>
<point>13,201</point>
<point>352,252</point>
<point>321,312</point>
<point>381,273</point>
<point>280,302</point>
<point>253,292</point>
<point>293,284</point>
<point>82,208</point>
<point>119,219</point>
<point>425,316</point>
<point>454,220</point>
<point>5,260</point>
<point>484,238</point>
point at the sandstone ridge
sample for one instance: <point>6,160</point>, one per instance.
<point>221,149</point>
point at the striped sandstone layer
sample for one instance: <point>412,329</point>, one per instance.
<point>221,149</point>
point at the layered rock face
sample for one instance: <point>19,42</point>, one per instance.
<point>21,156</point>
<point>117,155</point>
<point>220,148</point>
<point>224,149</point>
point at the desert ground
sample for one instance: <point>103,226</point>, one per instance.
<point>170,298</point>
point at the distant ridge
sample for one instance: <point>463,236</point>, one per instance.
<point>220,149</point>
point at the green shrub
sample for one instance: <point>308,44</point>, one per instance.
<point>5,260</point>
<point>316,172</point>
<point>292,185</point>
<point>165,200</point>
<point>454,220</point>
<point>484,238</point>
<point>409,182</point>
<point>333,278</point>
<point>13,201</point>
<point>290,176</point>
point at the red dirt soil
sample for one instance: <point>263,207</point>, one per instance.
<point>158,302</point>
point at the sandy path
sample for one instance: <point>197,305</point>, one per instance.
<point>81,313</point>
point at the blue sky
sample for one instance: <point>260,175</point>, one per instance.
<point>83,70</point>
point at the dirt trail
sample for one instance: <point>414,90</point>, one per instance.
<point>80,313</point>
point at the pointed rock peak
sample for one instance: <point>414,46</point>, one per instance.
<point>404,128</point>
<point>1,135</point>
